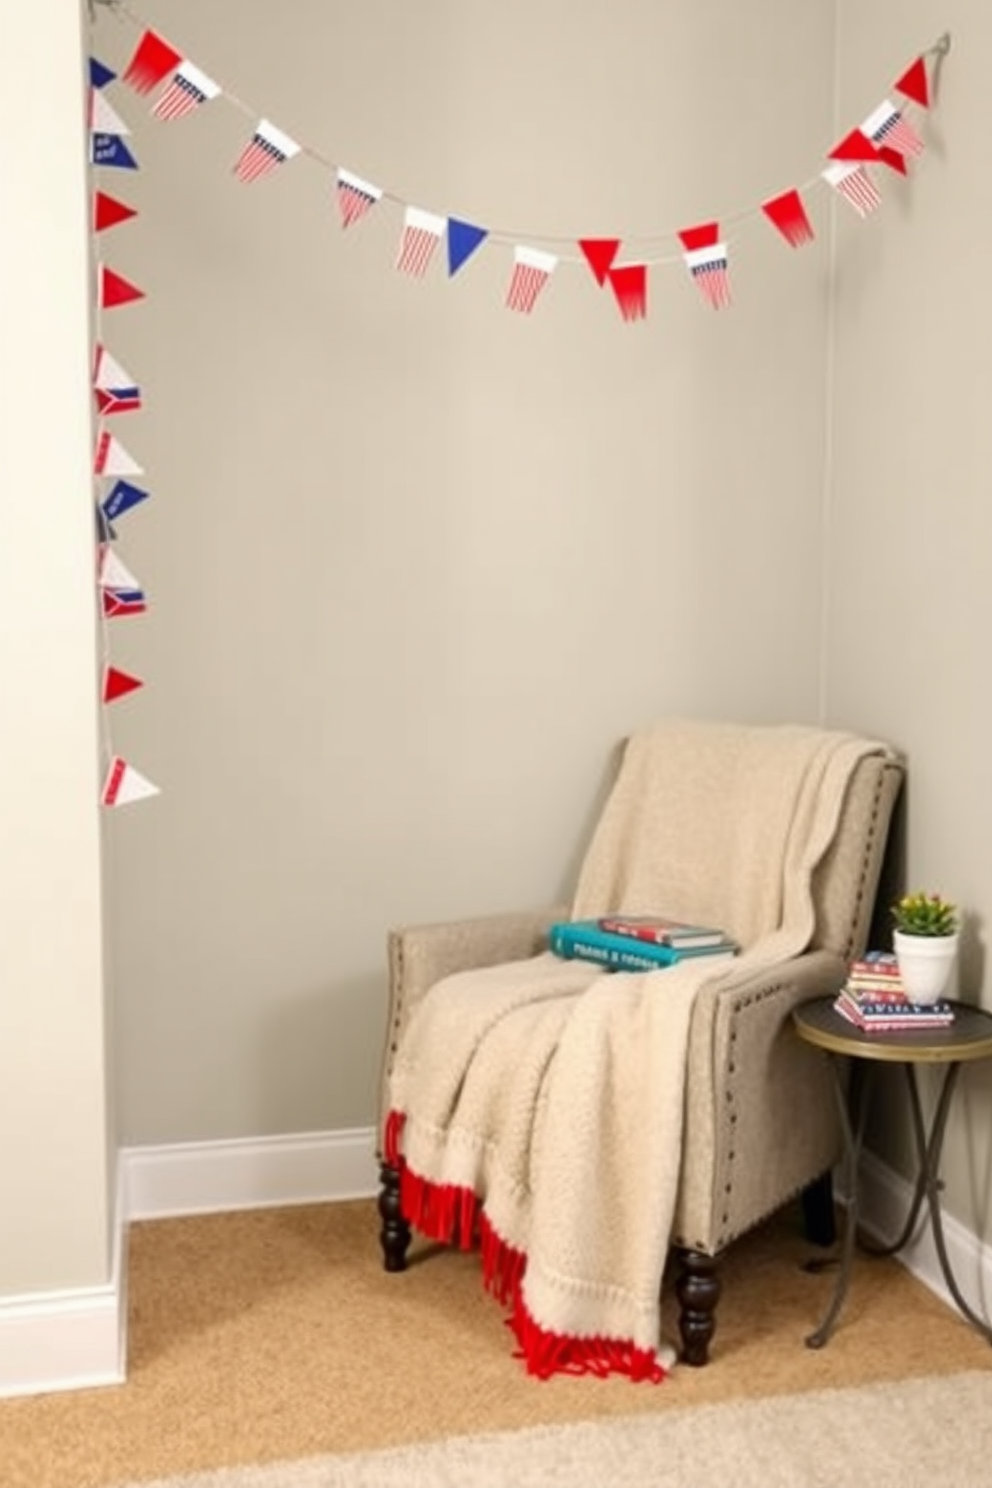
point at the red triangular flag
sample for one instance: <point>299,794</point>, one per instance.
<point>107,211</point>
<point>706,235</point>
<point>116,291</point>
<point>600,253</point>
<point>152,61</point>
<point>915,84</point>
<point>118,684</point>
<point>893,160</point>
<point>787,213</point>
<point>630,285</point>
<point>856,148</point>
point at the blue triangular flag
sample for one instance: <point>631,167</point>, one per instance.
<point>100,74</point>
<point>120,499</point>
<point>110,149</point>
<point>463,239</point>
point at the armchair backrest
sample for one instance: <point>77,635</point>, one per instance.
<point>846,882</point>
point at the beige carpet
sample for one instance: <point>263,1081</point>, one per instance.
<point>928,1433</point>
<point>276,1335</point>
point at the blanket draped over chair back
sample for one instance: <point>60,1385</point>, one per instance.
<point>536,1106</point>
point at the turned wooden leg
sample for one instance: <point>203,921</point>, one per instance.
<point>394,1236</point>
<point>819,1218</point>
<point>698,1290</point>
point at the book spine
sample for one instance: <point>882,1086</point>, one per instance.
<point>674,937</point>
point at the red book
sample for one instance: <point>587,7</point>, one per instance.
<point>661,930</point>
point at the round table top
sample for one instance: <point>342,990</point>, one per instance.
<point>968,1037</point>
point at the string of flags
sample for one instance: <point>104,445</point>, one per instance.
<point>115,392</point>
<point>887,139</point>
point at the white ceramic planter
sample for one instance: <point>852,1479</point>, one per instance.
<point>926,963</point>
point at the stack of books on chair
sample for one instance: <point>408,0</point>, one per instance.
<point>637,942</point>
<point>873,999</point>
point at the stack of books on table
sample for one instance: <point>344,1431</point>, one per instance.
<point>637,942</point>
<point>873,999</point>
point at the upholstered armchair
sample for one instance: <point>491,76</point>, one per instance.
<point>760,1122</point>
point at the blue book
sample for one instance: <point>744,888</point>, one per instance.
<point>583,940</point>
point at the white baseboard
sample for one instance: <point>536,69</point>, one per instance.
<point>71,1339</point>
<point>260,1173</point>
<point>884,1200</point>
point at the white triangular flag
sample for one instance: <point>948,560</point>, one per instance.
<point>109,372</point>
<point>113,573</point>
<point>113,459</point>
<point>104,118</point>
<point>124,784</point>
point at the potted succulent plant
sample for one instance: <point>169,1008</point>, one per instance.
<point>925,941</point>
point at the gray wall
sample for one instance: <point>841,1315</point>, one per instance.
<point>910,533</point>
<point>417,563</point>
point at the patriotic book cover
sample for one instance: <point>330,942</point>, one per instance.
<point>662,930</point>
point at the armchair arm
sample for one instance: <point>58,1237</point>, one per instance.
<point>760,1118</point>
<point>420,955</point>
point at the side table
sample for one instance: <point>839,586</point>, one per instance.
<point>968,1037</point>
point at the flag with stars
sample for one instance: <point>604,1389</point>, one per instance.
<point>267,149</point>
<point>888,126</point>
<point>422,231</point>
<point>531,271</point>
<point>854,184</point>
<point>706,260</point>
<point>355,197</point>
<point>188,89</point>
<point>124,784</point>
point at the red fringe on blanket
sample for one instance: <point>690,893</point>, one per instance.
<point>453,1216</point>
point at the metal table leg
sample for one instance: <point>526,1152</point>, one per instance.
<point>850,1103</point>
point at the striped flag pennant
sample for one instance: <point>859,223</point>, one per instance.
<point>117,684</point>
<point>629,283</point>
<point>116,391</point>
<point>104,118</point>
<point>887,126</point>
<point>121,497</point>
<point>787,213</point>
<point>706,260</point>
<point>188,89</point>
<point>108,212</point>
<point>855,185</point>
<point>124,784</point>
<point>422,231</point>
<point>118,603</point>
<point>355,197</point>
<point>110,150</point>
<point>153,60</point>
<point>267,148</point>
<point>113,459</point>
<point>116,290</point>
<point>531,271</point>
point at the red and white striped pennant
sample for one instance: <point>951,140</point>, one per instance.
<point>855,185</point>
<point>355,197</point>
<point>629,283</point>
<point>267,148</point>
<point>888,126</point>
<point>188,89</point>
<point>531,272</point>
<point>153,60</point>
<point>706,260</point>
<point>422,231</point>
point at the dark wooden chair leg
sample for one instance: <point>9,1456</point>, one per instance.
<point>394,1235</point>
<point>697,1287</point>
<point>819,1216</point>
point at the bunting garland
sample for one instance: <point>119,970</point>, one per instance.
<point>116,392</point>
<point>885,138</point>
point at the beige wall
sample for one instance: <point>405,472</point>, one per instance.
<point>56,1166</point>
<point>417,563</point>
<point>910,602</point>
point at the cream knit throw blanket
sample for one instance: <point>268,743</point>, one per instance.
<point>554,1091</point>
